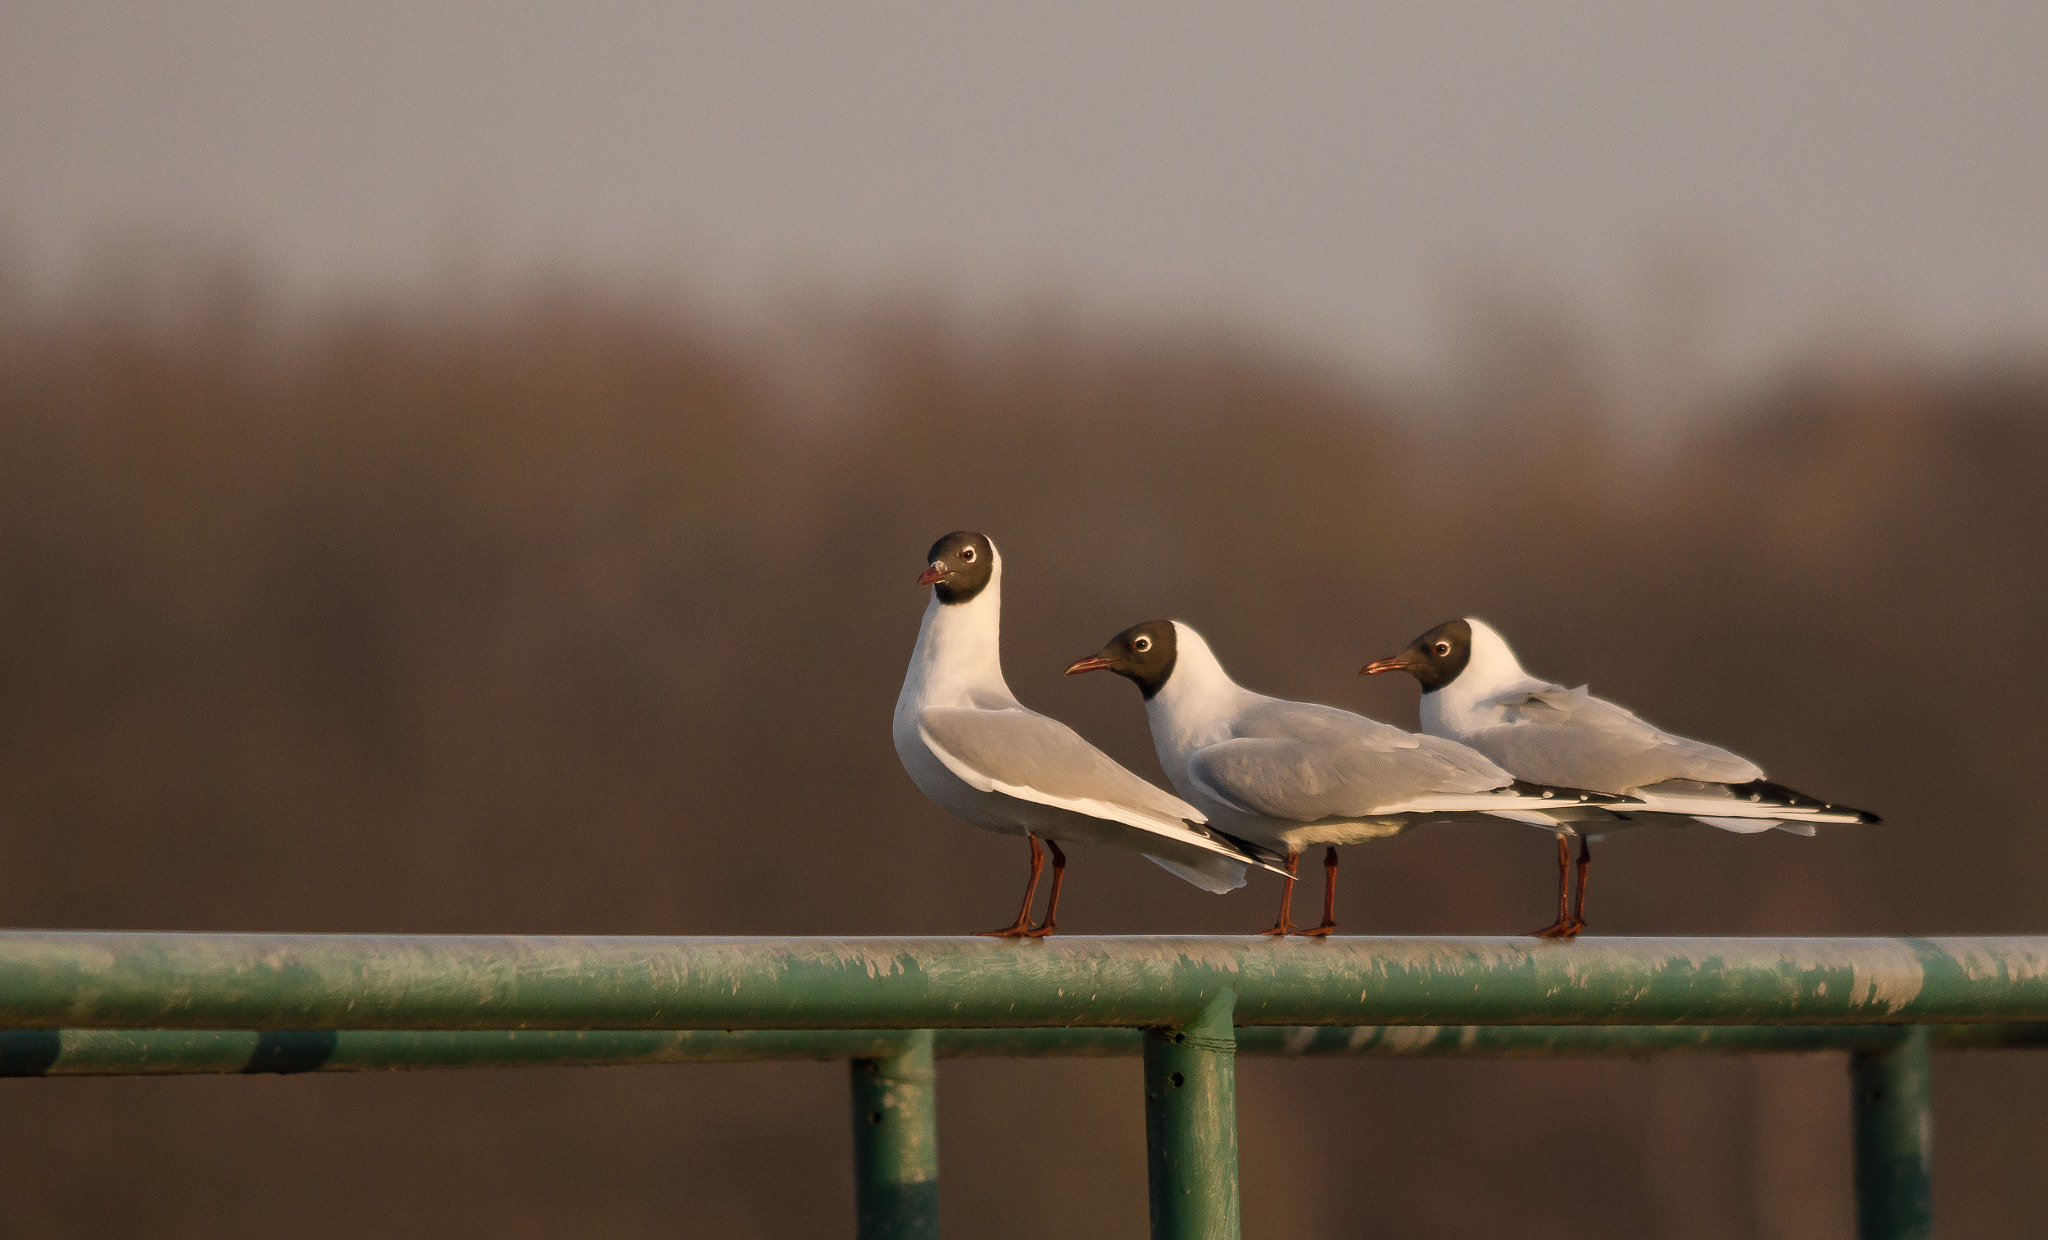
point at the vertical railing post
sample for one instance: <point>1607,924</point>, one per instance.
<point>1191,1126</point>
<point>896,1143</point>
<point>1894,1108</point>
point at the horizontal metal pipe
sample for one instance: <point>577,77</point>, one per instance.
<point>183,1052</point>
<point>176,1052</point>
<point>55,980</point>
<point>1621,1041</point>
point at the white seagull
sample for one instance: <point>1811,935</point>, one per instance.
<point>1474,691</point>
<point>970,746</point>
<point>1297,774</point>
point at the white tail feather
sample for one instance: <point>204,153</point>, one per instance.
<point>1743,826</point>
<point>1218,876</point>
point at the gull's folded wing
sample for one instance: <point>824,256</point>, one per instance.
<point>1303,762</point>
<point>1303,781</point>
<point>1026,755</point>
<point>1565,736</point>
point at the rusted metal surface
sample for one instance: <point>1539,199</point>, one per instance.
<point>180,1052</point>
<point>131,980</point>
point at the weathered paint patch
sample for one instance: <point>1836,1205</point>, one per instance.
<point>1889,988</point>
<point>1995,960</point>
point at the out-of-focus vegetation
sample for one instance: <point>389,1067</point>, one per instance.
<point>568,614</point>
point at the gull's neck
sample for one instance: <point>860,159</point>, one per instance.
<point>1198,700</point>
<point>959,649</point>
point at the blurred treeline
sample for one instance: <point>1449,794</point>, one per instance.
<point>569,611</point>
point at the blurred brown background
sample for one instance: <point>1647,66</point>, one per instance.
<point>570,616</point>
<point>550,595</point>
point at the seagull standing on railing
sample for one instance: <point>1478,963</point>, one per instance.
<point>970,746</point>
<point>1297,774</point>
<point>1474,691</point>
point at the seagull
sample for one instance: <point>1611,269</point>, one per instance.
<point>971,747</point>
<point>1297,774</point>
<point>1474,691</point>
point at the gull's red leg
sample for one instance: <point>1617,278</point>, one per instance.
<point>1023,924</point>
<point>1579,901</point>
<point>1052,902</point>
<point>1564,927</point>
<point>1285,925</point>
<point>1329,895</point>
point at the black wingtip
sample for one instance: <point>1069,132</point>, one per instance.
<point>1258,852</point>
<point>1764,792</point>
<point>1240,843</point>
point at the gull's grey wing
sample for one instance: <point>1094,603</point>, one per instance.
<point>1024,754</point>
<point>1565,736</point>
<point>1301,762</point>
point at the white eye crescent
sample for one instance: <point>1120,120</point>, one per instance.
<point>1141,644</point>
<point>1442,647</point>
<point>967,553</point>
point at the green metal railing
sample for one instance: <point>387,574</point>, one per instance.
<point>110,1003</point>
<point>187,1052</point>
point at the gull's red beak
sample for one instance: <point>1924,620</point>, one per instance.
<point>1093,663</point>
<point>1398,663</point>
<point>931,576</point>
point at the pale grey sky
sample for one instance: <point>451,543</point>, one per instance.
<point>1322,172</point>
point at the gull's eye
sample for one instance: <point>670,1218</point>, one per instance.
<point>967,553</point>
<point>1442,648</point>
<point>1141,644</point>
